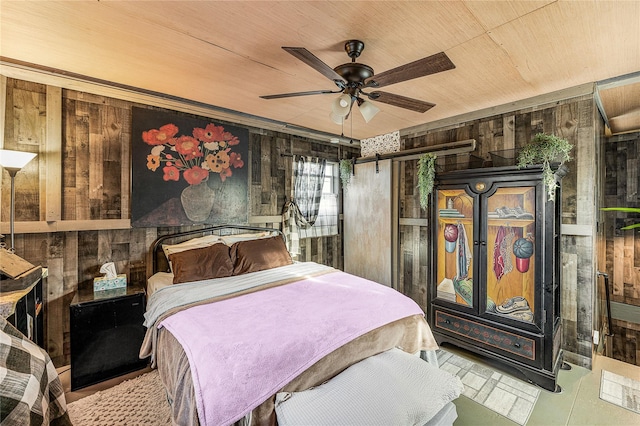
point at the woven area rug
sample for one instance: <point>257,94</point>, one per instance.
<point>509,397</point>
<point>620,390</point>
<point>139,401</point>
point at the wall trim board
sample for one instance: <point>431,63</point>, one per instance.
<point>81,83</point>
<point>53,155</point>
<point>578,230</point>
<point>66,225</point>
<point>625,312</point>
<point>534,103</point>
<point>265,219</point>
<point>97,225</point>
<point>3,107</point>
<point>412,221</point>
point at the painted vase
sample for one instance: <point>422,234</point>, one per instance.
<point>197,201</point>
<point>450,237</point>
<point>523,249</point>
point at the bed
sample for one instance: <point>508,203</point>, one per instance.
<point>234,326</point>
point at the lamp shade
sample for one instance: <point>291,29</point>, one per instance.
<point>368,110</point>
<point>15,160</point>
<point>336,118</point>
<point>341,105</point>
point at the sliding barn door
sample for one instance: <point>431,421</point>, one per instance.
<point>368,218</point>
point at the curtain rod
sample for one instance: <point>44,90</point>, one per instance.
<point>459,147</point>
<point>308,156</point>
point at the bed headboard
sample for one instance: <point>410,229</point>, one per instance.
<point>159,262</point>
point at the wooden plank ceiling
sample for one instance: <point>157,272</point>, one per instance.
<point>227,54</point>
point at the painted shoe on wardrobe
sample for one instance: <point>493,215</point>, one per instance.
<point>516,303</point>
<point>522,315</point>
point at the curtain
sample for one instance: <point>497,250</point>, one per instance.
<point>301,213</point>
<point>307,190</point>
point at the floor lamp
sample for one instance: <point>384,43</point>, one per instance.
<point>13,162</point>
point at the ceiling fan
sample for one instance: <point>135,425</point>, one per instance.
<point>354,78</point>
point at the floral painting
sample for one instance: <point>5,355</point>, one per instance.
<point>187,170</point>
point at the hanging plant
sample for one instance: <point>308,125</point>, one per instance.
<point>426,177</point>
<point>624,210</point>
<point>546,149</point>
<point>346,168</point>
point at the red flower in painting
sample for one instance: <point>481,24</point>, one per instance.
<point>207,151</point>
<point>235,160</point>
<point>211,133</point>
<point>171,173</point>
<point>160,136</point>
<point>230,139</point>
<point>195,175</point>
<point>189,147</point>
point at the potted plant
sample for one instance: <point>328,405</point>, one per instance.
<point>346,169</point>
<point>426,177</point>
<point>546,149</point>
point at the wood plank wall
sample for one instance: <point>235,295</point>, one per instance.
<point>95,169</point>
<point>572,119</point>
<point>622,189</point>
<point>95,188</point>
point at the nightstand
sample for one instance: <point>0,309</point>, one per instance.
<point>106,334</point>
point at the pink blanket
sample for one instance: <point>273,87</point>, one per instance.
<point>244,349</point>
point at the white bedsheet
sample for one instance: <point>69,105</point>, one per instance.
<point>172,296</point>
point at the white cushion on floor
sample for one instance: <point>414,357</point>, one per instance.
<point>391,388</point>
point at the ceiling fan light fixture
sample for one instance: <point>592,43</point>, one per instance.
<point>368,110</point>
<point>341,105</point>
<point>336,118</point>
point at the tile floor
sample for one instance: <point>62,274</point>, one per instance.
<point>578,404</point>
<point>499,392</point>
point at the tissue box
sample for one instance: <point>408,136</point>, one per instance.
<point>108,294</point>
<point>102,283</point>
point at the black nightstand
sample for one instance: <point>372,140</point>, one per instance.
<point>106,334</point>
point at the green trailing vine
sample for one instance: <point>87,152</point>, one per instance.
<point>426,177</point>
<point>625,210</point>
<point>346,169</point>
<point>546,149</point>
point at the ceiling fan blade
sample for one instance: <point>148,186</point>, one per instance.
<point>290,95</point>
<point>401,101</point>
<point>314,62</point>
<point>425,66</point>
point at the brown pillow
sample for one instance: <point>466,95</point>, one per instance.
<point>257,255</point>
<point>201,263</point>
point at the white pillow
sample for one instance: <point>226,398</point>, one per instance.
<point>231,239</point>
<point>191,244</point>
<point>391,388</point>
